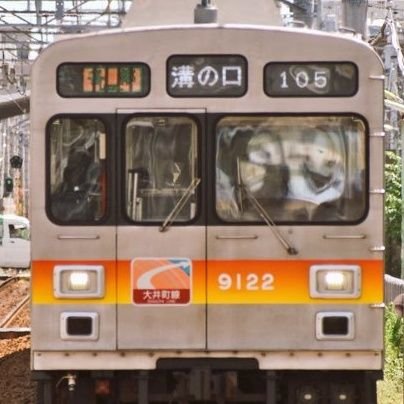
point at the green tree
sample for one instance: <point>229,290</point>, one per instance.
<point>391,389</point>
<point>393,214</point>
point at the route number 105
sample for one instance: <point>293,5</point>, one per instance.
<point>302,79</point>
<point>247,282</point>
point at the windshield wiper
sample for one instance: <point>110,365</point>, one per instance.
<point>263,213</point>
<point>179,205</point>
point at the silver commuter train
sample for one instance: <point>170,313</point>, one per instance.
<point>207,212</point>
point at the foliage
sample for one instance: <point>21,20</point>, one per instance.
<point>391,390</point>
<point>393,213</point>
<point>394,342</point>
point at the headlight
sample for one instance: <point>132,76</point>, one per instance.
<point>78,281</point>
<point>335,281</point>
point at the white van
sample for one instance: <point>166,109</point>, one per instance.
<point>15,244</point>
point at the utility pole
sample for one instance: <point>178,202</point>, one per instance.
<point>354,14</point>
<point>401,127</point>
<point>304,11</point>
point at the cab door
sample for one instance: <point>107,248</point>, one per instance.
<point>161,235</point>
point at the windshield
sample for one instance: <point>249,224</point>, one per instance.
<point>77,170</point>
<point>299,169</point>
<point>161,164</point>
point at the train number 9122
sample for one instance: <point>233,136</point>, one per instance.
<point>247,282</point>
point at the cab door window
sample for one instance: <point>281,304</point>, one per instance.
<point>77,171</point>
<point>161,158</point>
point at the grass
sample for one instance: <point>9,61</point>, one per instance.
<point>391,389</point>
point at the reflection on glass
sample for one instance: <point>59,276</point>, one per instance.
<point>300,169</point>
<point>77,170</point>
<point>161,163</point>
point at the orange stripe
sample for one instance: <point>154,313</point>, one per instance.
<point>255,282</point>
<point>250,282</point>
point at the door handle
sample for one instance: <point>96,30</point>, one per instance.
<point>78,237</point>
<point>237,237</point>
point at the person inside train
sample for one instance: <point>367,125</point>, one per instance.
<point>321,175</point>
<point>294,174</point>
<point>259,172</point>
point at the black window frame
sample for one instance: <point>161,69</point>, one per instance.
<point>200,190</point>
<point>215,219</point>
<point>109,216</point>
<point>146,80</point>
<point>310,63</point>
<point>245,78</point>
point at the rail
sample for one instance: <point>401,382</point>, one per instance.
<point>6,329</point>
<point>12,315</point>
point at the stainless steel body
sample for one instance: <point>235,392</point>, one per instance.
<point>212,323</point>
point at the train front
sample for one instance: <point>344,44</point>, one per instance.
<point>207,218</point>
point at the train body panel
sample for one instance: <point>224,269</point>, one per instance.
<point>230,207</point>
<point>224,334</point>
<point>229,40</point>
<point>247,326</point>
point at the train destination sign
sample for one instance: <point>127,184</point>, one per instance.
<point>320,79</point>
<point>207,76</point>
<point>103,80</point>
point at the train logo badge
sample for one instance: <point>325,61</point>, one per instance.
<point>161,281</point>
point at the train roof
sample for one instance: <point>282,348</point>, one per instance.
<point>173,12</point>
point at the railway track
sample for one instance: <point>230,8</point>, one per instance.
<point>14,299</point>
